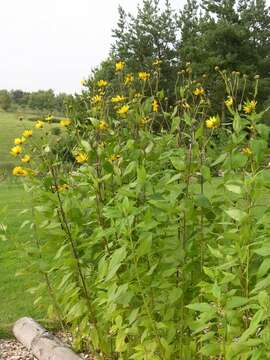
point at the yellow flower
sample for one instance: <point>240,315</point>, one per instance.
<point>157,62</point>
<point>26,159</point>
<point>103,125</point>
<point>249,106</point>
<point>102,83</point>
<point>247,151</point>
<point>96,99</point>
<point>144,75</point>
<point>49,118</point>
<point>27,133</point>
<point>39,124</point>
<point>19,171</point>
<point>16,150</point>
<point>123,110</point>
<point>129,79</point>
<point>185,105</point>
<point>19,141</point>
<point>63,187</point>
<point>114,157</point>
<point>117,98</point>
<point>119,66</point>
<point>213,122</point>
<point>144,120</point>
<point>199,91</point>
<point>229,101</point>
<point>81,157</point>
<point>155,105</point>
<point>65,122</point>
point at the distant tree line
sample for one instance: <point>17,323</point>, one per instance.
<point>42,100</point>
<point>233,35</point>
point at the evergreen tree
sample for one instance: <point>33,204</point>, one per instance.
<point>233,35</point>
<point>142,39</point>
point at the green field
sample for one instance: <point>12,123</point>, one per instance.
<point>10,127</point>
<point>15,300</point>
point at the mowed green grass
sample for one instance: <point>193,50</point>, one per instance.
<point>10,127</point>
<point>15,300</point>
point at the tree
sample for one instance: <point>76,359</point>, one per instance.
<point>5,100</point>
<point>233,35</point>
<point>142,39</point>
<point>227,33</point>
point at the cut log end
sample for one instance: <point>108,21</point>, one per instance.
<point>41,343</point>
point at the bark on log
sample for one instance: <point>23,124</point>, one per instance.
<point>40,342</point>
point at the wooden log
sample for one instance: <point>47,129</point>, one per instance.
<point>41,343</point>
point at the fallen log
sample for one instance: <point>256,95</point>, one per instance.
<point>41,343</point>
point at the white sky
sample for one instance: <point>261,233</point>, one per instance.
<point>55,43</point>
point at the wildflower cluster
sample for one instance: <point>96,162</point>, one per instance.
<point>156,218</point>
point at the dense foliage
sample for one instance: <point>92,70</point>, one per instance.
<point>234,35</point>
<point>151,224</point>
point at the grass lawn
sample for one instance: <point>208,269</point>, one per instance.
<point>15,300</point>
<point>11,127</point>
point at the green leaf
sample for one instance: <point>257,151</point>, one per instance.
<point>201,307</point>
<point>174,178</point>
<point>175,123</point>
<point>259,147</point>
<point>86,146</point>
<point>236,214</point>
<point>238,160</point>
<point>115,262</point>
<point>174,295</point>
<point>234,188</point>
<point>263,299</point>
<point>93,335</point>
<point>215,252</point>
<point>263,130</point>
<point>220,159</point>
<point>145,245</point>
<point>178,164</point>
<point>263,284</point>
<point>263,268</point>
<point>149,147</point>
<point>238,123</point>
<point>187,119</point>
<point>236,302</point>
<point>130,168</point>
<point>263,251</point>
<point>202,201</point>
<point>257,318</point>
<point>211,349</point>
<point>141,174</point>
<point>206,172</point>
<point>120,343</point>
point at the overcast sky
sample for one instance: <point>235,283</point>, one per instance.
<point>55,43</point>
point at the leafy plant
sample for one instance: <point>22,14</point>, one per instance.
<point>154,230</point>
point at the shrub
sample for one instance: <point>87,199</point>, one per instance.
<point>156,229</point>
